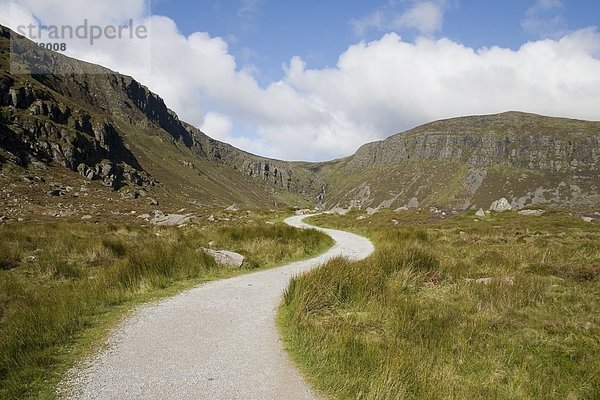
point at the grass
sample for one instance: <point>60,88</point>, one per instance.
<point>413,321</point>
<point>62,284</point>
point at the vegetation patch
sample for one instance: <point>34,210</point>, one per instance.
<point>504,307</point>
<point>62,282</point>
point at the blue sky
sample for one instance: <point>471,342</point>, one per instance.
<point>314,80</point>
<point>268,33</point>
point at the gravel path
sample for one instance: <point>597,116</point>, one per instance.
<point>217,341</point>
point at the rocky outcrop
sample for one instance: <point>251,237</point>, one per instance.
<point>516,140</point>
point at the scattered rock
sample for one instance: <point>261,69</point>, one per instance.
<point>536,213</point>
<point>3,218</point>
<point>372,211</point>
<point>587,219</point>
<point>400,209</point>
<point>144,216</point>
<point>86,217</point>
<point>361,217</point>
<point>501,205</point>
<point>153,201</point>
<point>225,258</point>
<point>211,218</point>
<point>233,207</point>
<point>480,213</point>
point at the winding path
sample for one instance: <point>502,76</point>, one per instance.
<point>216,341</point>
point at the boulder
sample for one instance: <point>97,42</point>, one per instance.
<point>413,203</point>
<point>501,205</point>
<point>535,213</point>
<point>225,258</point>
<point>161,219</point>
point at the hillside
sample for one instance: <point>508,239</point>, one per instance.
<point>74,142</point>
<point>472,161</point>
<point>104,138</point>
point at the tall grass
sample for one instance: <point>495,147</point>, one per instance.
<point>57,279</point>
<point>413,322</point>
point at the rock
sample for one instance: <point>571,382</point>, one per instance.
<point>372,211</point>
<point>501,205</point>
<point>233,207</point>
<point>536,213</point>
<point>144,216</point>
<point>400,209</point>
<point>413,203</point>
<point>480,213</point>
<point>587,219</point>
<point>153,201</point>
<point>86,217</point>
<point>225,258</point>
<point>56,192</point>
<point>360,218</point>
<point>211,218</point>
<point>171,219</point>
<point>3,218</point>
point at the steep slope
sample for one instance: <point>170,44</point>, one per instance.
<point>103,138</point>
<point>471,161</point>
<point>116,134</point>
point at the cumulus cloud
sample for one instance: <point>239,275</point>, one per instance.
<point>376,88</point>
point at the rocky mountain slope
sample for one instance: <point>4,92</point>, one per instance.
<point>472,161</point>
<point>117,135</point>
<point>101,139</point>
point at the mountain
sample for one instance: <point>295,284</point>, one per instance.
<point>472,161</point>
<point>100,140</point>
<point>107,131</point>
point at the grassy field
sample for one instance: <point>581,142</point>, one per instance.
<point>499,307</point>
<point>63,284</point>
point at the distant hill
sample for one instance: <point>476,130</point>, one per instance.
<point>472,161</point>
<point>102,138</point>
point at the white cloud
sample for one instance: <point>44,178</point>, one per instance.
<point>376,88</point>
<point>426,17</point>
<point>543,19</point>
<point>248,13</point>
<point>218,125</point>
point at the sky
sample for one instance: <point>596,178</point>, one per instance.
<point>314,80</point>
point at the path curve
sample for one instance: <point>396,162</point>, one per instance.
<point>216,341</point>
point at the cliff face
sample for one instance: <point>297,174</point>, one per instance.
<point>516,140</point>
<point>471,161</point>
